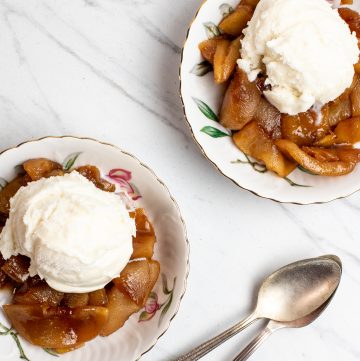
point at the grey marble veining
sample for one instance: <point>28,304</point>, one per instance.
<point>108,69</point>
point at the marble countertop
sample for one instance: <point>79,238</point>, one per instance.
<point>108,69</point>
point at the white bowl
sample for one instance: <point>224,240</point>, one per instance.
<point>171,250</point>
<point>202,99</point>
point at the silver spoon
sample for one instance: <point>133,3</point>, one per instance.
<point>290,293</point>
<point>273,326</point>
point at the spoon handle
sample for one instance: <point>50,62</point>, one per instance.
<point>208,346</point>
<point>254,344</point>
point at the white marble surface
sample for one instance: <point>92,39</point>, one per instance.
<point>108,69</point>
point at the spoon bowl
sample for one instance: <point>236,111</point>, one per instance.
<point>298,289</point>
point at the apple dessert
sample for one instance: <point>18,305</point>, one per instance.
<point>79,264</point>
<point>292,75</point>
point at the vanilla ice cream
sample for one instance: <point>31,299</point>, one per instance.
<point>306,50</point>
<point>77,236</point>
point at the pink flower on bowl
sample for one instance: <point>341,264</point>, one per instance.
<point>151,307</point>
<point>123,177</point>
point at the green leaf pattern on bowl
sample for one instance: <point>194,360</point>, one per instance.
<point>152,305</point>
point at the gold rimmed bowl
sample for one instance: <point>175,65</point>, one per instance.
<point>202,99</point>
<point>144,328</point>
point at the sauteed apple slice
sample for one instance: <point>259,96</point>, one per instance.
<point>349,155</point>
<point>310,163</point>
<point>305,128</point>
<point>39,168</point>
<point>138,279</point>
<point>352,18</point>
<point>240,102</point>
<point>3,276</point>
<point>269,118</point>
<point>208,47</point>
<point>130,292</point>
<point>98,298</point>
<point>235,23</point>
<point>327,141</point>
<point>40,293</point>
<point>339,110</point>
<point>143,243</point>
<point>120,307</point>
<point>226,55</point>
<point>74,300</point>
<point>343,153</point>
<point>68,349</point>
<point>57,327</point>
<point>16,267</point>
<point>251,3</point>
<point>355,100</point>
<point>348,131</point>
<point>92,173</point>
<point>322,154</point>
<point>8,192</point>
<point>253,141</point>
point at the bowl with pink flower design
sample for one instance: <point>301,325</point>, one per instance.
<point>137,184</point>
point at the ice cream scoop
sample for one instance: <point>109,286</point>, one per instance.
<point>304,48</point>
<point>77,236</point>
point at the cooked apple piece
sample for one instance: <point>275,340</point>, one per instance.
<point>98,298</point>
<point>252,3</point>
<point>348,131</point>
<point>357,67</point>
<point>348,154</point>
<point>346,94</point>
<point>322,154</point>
<point>74,300</point>
<point>240,103</point>
<point>136,281</point>
<point>143,243</point>
<point>352,18</point>
<point>17,268</point>
<point>8,192</point>
<point>54,173</point>
<point>120,307</point>
<point>67,349</point>
<point>305,128</point>
<point>38,168</point>
<point>208,48</point>
<point>253,141</point>
<point>40,293</point>
<point>3,277</point>
<point>344,153</point>
<point>226,55</point>
<point>235,23</point>
<point>141,221</point>
<point>56,327</point>
<point>292,151</point>
<point>355,100</point>
<point>339,110</point>
<point>269,118</point>
<point>92,173</point>
<point>327,141</point>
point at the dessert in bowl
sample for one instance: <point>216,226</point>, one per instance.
<point>278,84</point>
<point>85,240</point>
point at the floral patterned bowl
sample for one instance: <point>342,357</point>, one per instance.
<point>143,329</point>
<point>202,100</point>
